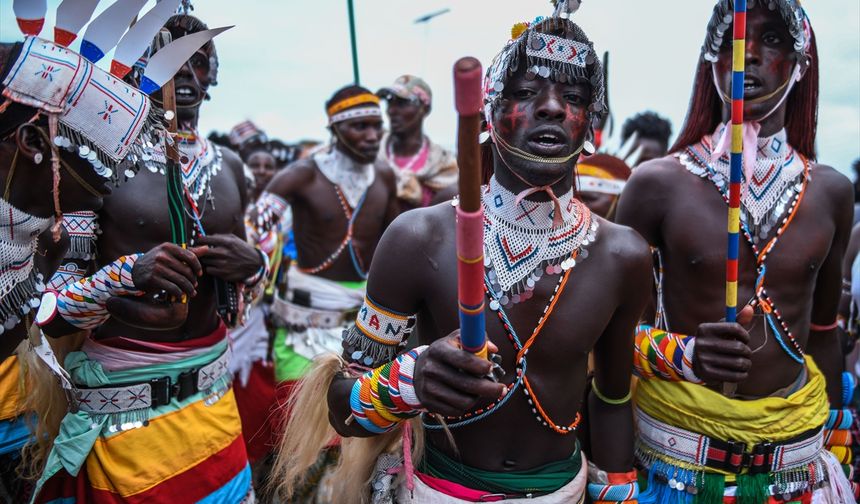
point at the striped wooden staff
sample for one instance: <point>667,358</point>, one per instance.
<point>738,56</point>
<point>470,214</point>
<point>737,156</point>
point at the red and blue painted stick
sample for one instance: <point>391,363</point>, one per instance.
<point>738,57</point>
<point>470,214</point>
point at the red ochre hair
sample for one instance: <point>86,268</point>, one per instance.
<point>801,118</point>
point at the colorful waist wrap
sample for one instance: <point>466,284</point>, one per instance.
<point>700,410</point>
<point>538,481</point>
<point>184,451</point>
<point>293,351</point>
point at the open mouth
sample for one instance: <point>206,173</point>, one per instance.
<point>752,86</point>
<point>548,141</point>
<point>186,94</point>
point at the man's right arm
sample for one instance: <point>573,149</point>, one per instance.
<point>718,352</point>
<point>393,285</point>
<point>440,378</point>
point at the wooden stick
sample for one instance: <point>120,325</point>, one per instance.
<point>470,227</point>
<point>738,57</point>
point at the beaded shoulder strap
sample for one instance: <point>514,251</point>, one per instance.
<point>791,347</point>
<point>346,243</point>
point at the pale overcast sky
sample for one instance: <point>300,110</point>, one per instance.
<point>286,57</point>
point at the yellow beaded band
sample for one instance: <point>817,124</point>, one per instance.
<point>352,102</point>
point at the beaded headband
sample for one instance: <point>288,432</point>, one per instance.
<point>353,101</point>
<point>547,54</point>
<point>790,10</point>
<point>346,115</point>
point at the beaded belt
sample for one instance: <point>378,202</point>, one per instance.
<point>304,316</point>
<point>731,456</point>
<point>153,393</point>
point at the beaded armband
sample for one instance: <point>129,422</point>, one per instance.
<point>82,303</point>
<point>384,397</point>
<point>606,488</point>
<point>378,335</point>
<point>664,355</point>
<point>264,229</point>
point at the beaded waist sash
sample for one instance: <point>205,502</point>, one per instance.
<point>156,392</point>
<point>304,316</point>
<point>731,456</point>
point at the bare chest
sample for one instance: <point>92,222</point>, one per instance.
<point>135,217</point>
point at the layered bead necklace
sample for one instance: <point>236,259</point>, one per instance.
<point>772,184</point>
<point>542,250</point>
<point>696,159</point>
<point>521,244</point>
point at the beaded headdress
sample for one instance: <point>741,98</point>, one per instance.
<point>551,48</point>
<point>91,111</point>
<point>790,10</point>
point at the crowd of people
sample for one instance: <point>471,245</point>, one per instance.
<point>234,318</point>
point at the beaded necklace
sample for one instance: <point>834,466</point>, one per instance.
<point>768,188</point>
<point>21,284</point>
<point>521,381</point>
<point>692,157</point>
<point>346,243</point>
<point>200,161</point>
<point>521,243</point>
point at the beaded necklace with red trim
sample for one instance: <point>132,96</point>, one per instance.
<point>350,214</point>
<point>521,362</point>
<point>794,351</point>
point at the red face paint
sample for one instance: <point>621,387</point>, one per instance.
<point>512,119</point>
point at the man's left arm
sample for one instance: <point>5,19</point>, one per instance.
<point>610,413</point>
<point>824,345</point>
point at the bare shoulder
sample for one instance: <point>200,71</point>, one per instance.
<point>292,178</point>
<point>385,173</point>
<point>624,247</point>
<point>408,256</point>
<point>420,229</point>
<point>655,175</point>
<point>644,202</point>
<point>831,181</point>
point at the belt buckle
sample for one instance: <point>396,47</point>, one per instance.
<point>736,458</point>
<point>160,391</point>
<point>761,459</point>
<point>186,384</point>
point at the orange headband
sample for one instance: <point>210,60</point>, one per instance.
<point>352,102</point>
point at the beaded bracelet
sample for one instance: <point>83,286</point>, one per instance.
<point>663,354</point>
<point>261,273</point>
<point>385,396</point>
<point>839,419</point>
<point>837,437</point>
<point>82,303</point>
<point>849,384</point>
<point>615,487</point>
